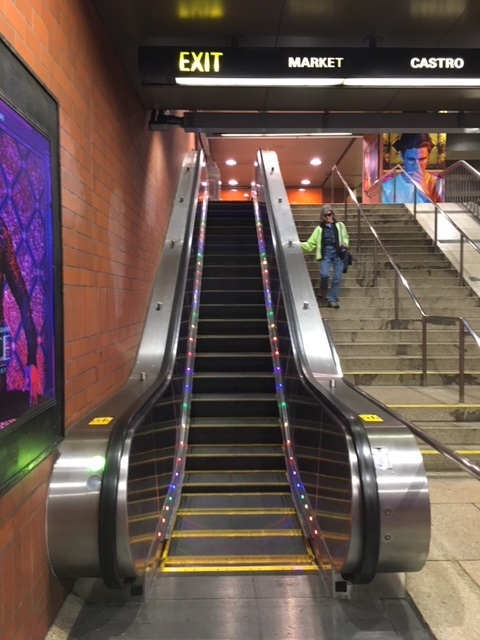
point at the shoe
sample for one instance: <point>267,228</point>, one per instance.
<point>321,295</point>
<point>333,305</point>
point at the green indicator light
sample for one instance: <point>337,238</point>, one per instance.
<point>97,463</point>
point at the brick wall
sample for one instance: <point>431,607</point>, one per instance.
<point>117,184</point>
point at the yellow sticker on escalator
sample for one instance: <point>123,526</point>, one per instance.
<point>369,417</point>
<point>100,421</point>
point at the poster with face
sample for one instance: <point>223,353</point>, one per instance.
<point>422,157</point>
<point>371,165</point>
<point>26,258</point>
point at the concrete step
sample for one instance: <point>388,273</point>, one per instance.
<point>445,363</point>
<point>446,306</point>
<point>435,461</point>
<point>457,433</point>
<point>432,415</point>
<point>394,349</point>
<point>408,378</point>
<point>374,321</point>
<point>442,335</point>
<point>357,313</point>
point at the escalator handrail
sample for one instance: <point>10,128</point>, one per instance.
<point>129,421</point>
<point>370,503</point>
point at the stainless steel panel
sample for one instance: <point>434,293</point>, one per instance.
<point>74,489</point>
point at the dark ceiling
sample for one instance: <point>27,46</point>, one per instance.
<point>301,23</point>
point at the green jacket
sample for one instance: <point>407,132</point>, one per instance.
<point>314,243</point>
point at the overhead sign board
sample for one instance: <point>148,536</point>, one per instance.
<point>172,65</point>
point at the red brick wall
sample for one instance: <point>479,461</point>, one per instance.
<point>117,184</point>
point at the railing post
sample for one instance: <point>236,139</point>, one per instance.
<point>462,245</point>
<point>424,351</point>
<point>396,300</point>
<point>358,229</point>
<point>461,363</point>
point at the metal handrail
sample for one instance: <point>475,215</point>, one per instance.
<point>462,185</point>
<point>426,318</point>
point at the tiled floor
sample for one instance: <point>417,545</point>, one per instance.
<point>242,607</point>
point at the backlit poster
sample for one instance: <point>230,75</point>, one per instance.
<point>371,164</point>
<point>26,288</point>
<point>422,157</point>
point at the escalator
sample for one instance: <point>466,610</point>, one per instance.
<point>236,445</point>
<point>236,512</point>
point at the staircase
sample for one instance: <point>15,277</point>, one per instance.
<point>236,512</point>
<point>374,354</point>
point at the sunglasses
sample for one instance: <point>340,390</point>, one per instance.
<point>328,215</point>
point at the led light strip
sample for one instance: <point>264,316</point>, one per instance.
<point>298,489</point>
<point>369,83</point>
<point>173,494</point>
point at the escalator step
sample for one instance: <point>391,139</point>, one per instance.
<point>231,271</point>
<point>235,457</point>
<point>232,342</point>
<point>199,522</point>
<point>235,481</point>
<point>237,326</point>
<point>237,282</point>
<point>232,297</point>
<point>247,405</point>
<point>262,547</point>
<point>227,311</point>
<point>249,247</point>
<point>234,431</point>
<point>242,502</point>
<point>231,382</point>
<point>231,260</point>
<point>230,362</point>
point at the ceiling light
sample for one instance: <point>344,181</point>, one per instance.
<point>231,162</point>
<point>323,134</point>
<point>412,82</point>
<point>301,189</point>
<point>258,82</point>
<point>306,181</point>
<point>233,183</point>
<point>315,162</point>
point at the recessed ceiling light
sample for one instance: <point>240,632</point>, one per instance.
<point>233,183</point>
<point>301,189</point>
<point>315,162</point>
<point>231,162</point>
<point>306,181</point>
